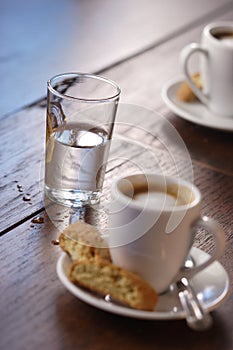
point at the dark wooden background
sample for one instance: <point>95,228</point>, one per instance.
<point>137,44</point>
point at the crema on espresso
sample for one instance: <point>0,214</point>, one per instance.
<point>157,197</point>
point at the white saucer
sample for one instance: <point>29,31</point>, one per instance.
<point>211,286</point>
<point>195,112</point>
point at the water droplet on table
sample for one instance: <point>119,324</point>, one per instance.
<point>55,242</point>
<point>38,220</point>
<point>20,188</point>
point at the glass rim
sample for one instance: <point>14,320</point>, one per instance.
<point>86,75</point>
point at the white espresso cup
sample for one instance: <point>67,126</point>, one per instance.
<point>216,67</point>
<point>153,221</point>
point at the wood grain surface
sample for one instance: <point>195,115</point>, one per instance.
<point>36,311</point>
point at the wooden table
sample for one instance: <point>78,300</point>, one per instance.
<point>136,44</point>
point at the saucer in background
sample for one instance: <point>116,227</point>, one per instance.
<point>195,111</point>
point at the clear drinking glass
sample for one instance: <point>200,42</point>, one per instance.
<point>81,110</point>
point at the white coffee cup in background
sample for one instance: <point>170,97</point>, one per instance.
<point>153,221</point>
<point>216,67</point>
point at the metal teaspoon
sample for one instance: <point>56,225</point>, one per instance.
<point>197,316</point>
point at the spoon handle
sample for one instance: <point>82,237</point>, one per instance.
<point>197,317</point>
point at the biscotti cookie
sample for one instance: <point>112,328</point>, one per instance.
<point>83,241</point>
<point>185,93</point>
<point>122,285</point>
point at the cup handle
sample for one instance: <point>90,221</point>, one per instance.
<point>184,58</point>
<point>215,229</point>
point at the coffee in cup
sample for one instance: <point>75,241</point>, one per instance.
<point>225,37</point>
<point>171,196</point>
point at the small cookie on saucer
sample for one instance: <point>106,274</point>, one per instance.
<point>185,93</point>
<point>83,241</point>
<point>123,286</point>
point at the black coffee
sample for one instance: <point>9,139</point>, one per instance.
<point>225,37</point>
